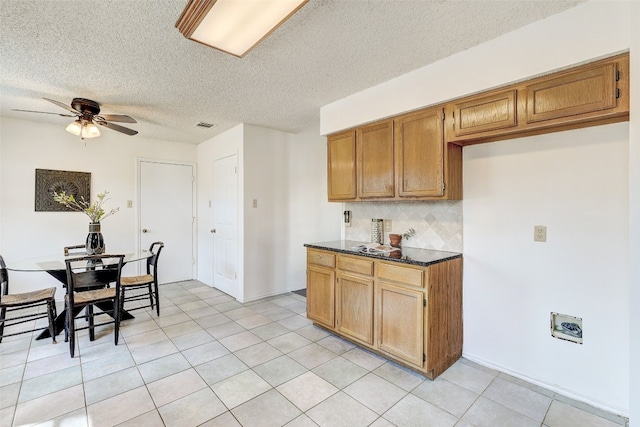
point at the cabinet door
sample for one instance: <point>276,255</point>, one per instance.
<point>400,322</point>
<point>420,147</point>
<point>355,307</point>
<point>375,160</point>
<point>484,113</point>
<point>571,94</point>
<point>341,169</point>
<point>321,295</point>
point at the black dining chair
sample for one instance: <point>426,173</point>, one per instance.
<point>89,280</point>
<point>146,286</point>
<point>28,303</point>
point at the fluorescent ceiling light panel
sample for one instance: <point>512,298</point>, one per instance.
<point>234,26</point>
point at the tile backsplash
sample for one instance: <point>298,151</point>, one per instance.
<point>438,224</point>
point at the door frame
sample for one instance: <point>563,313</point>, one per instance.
<point>138,220</point>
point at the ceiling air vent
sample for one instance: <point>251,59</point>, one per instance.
<point>205,125</point>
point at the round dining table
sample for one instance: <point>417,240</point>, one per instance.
<point>55,265</point>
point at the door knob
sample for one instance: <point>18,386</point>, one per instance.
<point>144,230</point>
<point>213,230</point>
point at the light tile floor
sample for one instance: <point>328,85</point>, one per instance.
<point>211,361</point>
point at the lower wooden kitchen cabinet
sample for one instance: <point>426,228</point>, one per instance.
<point>321,288</point>
<point>411,314</point>
<point>354,299</point>
<point>400,315</point>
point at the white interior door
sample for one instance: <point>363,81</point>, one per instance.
<point>166,214</point>
<point>225,225</point>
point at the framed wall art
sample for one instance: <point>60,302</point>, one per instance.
<point>49,181</point>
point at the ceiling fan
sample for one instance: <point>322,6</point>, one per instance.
<point>87,113</point>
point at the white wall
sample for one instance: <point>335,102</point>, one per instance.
<point>556,42</point>
<point>575,183</point>
<point>286,174</point>
<point>266,179</point>
<point>111,159</point>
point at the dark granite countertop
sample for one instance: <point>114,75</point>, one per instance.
<point>415,256</point>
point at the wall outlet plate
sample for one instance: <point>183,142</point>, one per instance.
<point>539,233</point>
<point>387,225</point>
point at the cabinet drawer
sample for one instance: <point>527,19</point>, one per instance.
<point>355,265</point>
<point>405,275</point>
<point>321,258</point>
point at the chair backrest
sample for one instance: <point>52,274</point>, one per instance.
<point>74,249</point>
<point>93,272</point>
<point>152,261</point>
<point>4,278</point>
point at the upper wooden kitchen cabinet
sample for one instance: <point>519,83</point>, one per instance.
<point>588,89</point>
<point>341,166</point>
<point>375,165</point>
<point>483,114</point>
<point>404,158</point>
<point>420,154</point>
<point>586,95</point>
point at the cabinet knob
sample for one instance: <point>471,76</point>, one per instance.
<point>213,230</point>
<point>144,230</point>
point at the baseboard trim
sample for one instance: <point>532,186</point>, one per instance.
<point>567,393</point>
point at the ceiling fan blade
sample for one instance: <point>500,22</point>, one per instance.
<point>117,127</point>
<point>61,105</point>
<point>45,112</point>
<point>118,118</point>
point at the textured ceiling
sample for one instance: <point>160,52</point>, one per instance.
<point>128,56</point>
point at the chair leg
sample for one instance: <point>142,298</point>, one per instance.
<point>3,315</point>
<point>66,322</point>
<point>71,331</point>
<point>116,318</point>
<point>122,296</point>
<point>92,333</point>
<point>50,311</point>
<point>155,284</point>
<point>150,296</point>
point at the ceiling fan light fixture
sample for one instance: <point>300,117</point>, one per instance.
<point>234,27</point>
<point>83,129</point>
<point>90,131</point>
<point>74,128</point>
